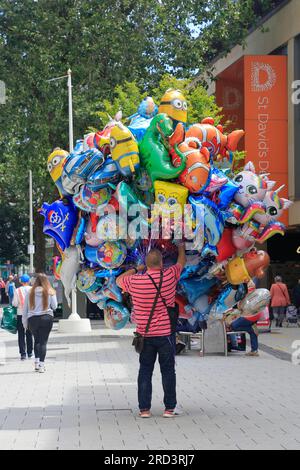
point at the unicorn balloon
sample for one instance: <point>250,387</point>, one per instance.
<point>275,206</point>
<point>248,201</point>
<point>253,187</point>
<point>263,226</point>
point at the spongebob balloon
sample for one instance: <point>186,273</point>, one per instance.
<point>56,162</point>
<point>170,197</point>
<point>174,104</point>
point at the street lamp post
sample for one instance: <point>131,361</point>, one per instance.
<point>31,245</point>
<point>74,323</point>
<point>74,315</point>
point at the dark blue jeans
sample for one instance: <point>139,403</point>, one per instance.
<point>242,324</point>
<point>163,346</point>
<point>25,339</point>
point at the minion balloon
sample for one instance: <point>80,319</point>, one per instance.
<point>56,162</point>
<point>174,104</point>
<point>124,150</point>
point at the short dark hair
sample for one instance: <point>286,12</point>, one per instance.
<point>154,259</point>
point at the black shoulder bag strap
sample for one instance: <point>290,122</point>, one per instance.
<point>155,301</point>
<point>172,311</point>
<point>159,288</point>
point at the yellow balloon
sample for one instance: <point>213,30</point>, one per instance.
<point>56,162</point>
<point>174,104</point>
<point>170,197</point>
<point>236,272</point>
<point>124,149</point>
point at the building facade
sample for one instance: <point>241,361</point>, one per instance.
<point>258,86</point>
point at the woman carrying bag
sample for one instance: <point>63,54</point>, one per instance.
<point>38,317</point>
<point>280,299</point>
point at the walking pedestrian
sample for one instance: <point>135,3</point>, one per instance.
<point>38,317</point>
<point>280,299</point>
<point>10,288</point>
<point>151,293</point>
<point>296,295</point>
<point>25,339</point>
<point>2,290</point>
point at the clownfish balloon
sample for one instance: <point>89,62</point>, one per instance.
<point>206,134</point>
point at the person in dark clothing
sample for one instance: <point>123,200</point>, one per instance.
<point>296,295</point>
<point>25,339</point>
<point>39,305</point>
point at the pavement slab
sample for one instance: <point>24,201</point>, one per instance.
<point>87,399</point>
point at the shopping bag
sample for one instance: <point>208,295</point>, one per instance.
<point>9,320</point>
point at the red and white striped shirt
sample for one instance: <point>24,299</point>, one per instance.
<point>143,294</point>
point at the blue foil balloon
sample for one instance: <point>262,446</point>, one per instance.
<point>228,298</point>
<point>199,269</point>
<point>116,316</point>
<point>139,126</point>
<point>213,220</point>
<point>78,168</point>
<point>141,120</point>
<point>96,296</point>
<point>226,193</point>
<point>110,290</point>
<point>201,308</point>
<point>108,272</point>
<point>81,230</point>
<point>195,287</point>
<point>60,221</point>
<point>107,175</point>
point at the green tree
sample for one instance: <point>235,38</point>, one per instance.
<point>106,44</point>
<point>128,96</point>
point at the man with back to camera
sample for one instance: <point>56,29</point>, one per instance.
<point>25,338</point>
<point>158,340</point>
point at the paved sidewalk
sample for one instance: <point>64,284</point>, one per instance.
<point>282,339</point>
<point>87,399</point>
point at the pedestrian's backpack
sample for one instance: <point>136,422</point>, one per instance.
<point>9,320</point>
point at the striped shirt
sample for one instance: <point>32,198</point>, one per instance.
<point>143,294</point>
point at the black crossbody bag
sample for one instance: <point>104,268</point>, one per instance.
<point>173,312</point>
<point>138,340</point>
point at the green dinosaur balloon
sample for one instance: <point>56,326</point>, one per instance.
<point>154,150</point>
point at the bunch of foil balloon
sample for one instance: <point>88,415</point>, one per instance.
<point>154,182</point>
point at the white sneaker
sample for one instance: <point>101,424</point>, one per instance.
<point>172,413</point>
<point>42,369</point>
<point>37,365</point>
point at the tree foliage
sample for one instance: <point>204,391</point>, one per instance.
<point>126,97</point>
<point>105,44</point>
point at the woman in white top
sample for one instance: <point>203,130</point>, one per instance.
<point>24,338</point>
<point>38,316</point>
